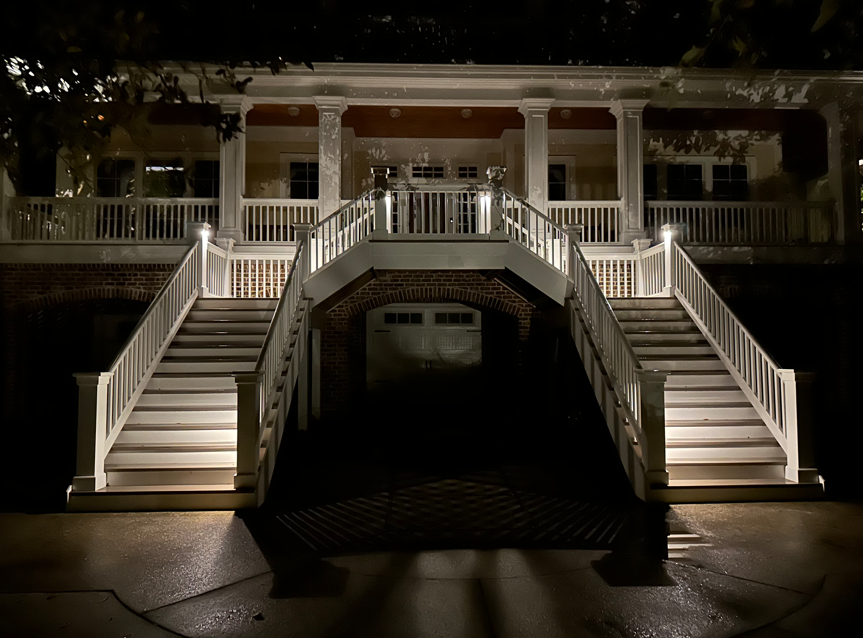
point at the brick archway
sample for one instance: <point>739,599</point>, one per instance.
<point>343,347</point>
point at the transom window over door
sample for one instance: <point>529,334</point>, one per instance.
<point>427,172</point>
<point>685,182</point>
<point>730,182</point>
<point>303,180</point>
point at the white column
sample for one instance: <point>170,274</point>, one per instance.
<point>843,173</point>
<point>630,167</point>
<point>535,111</point>
<point>330,111</point>
<point>232,171</point>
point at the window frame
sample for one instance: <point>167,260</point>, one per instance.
<point>285,160</point>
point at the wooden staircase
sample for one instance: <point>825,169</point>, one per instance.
<point>717,445</point>
<point>178,448</point>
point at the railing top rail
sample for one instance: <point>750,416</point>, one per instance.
<point>117,200</point>
<point>664,203</point>
<point>279,201</point>
<point>535,210</point>
<point>730,312</point>
<point>215,248</point>
<point>439,186</point>
<point>326,219</point>
<point>653,250</point>
<point>152,307</point>
<point>572,203</point>
<point>283,299</point>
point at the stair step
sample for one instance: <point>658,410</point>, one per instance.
<point>235,303</point>
<point>178,381</point>
<point>624,303</point>
<point>212,327</point>
<point>719,471</point>
<point>642,325</point>
<point>245,339</point>
<point>725,431</point>
<point>196,414</point>
<point>726,455</point>
<point>682,364</point>
<point>683,379</point>
<point>173,398</point>
<point>689,349</point>
<point>229,314</point>
<point>210,351</point>
<point>167,427</point>
<point>703,443</point>
<point>163,438</point>
<point>704,395</point>
<point>171,477</point>
<point>650,337</point>
<point>170,460</point>
<point>225,365</point>
<point>703,412</point>
<point>652,314</point>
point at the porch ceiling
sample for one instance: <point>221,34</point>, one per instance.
<point>429,121</point>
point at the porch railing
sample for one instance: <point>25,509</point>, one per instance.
<point>745,223</point>
<point>448,209</point>
<point>600,219</point>
<point>532,229</point>
<point>352,223</point>
<point>106,219</point>
<point>272,220</point>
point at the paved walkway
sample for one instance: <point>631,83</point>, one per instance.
<point>759,570</point>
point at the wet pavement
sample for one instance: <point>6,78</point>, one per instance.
<point>763,570</point>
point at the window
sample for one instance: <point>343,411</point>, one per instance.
<point>453,318</point>
<point>730,182</point>
<point>414,318</point>
<point>556,182</point>
<point>164,178</point>
<point>428,172</point>
<point>685,182</point>
<point>303,179</point>
<point>468,172</point>
<point>115,178</point>
<point>205,178</point>
<point>651,182</point>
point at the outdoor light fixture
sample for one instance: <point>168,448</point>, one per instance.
<point>394,113</point>
<point>666,236</point>
<point>565,114</point>
<point>205,235</point>
<point>466,113</point>
<point>293,111</point>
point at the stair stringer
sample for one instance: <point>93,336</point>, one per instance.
<point>622,434</point>
<point>280,404</point>
<point>735,374</point>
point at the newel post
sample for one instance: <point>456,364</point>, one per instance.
<point>6,191</point>
<point>573,235</point>
<point>248,428</point>
<point>639,246</point>
<point>227,244</point>
<point>651,419</point>
<point>383,202</point>
<point>670,233</point>
<point>199,232</point>
<point>798,408</point>
<point>92,430</point>
<point>495,183</point>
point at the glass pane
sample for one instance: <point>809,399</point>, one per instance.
<point>721,172</point>
<point>453,317</point>
<point>738,171</point>
<point>467,317</point>
<point>164,178</point>
<point>440,317</point>
<point>404,317</point>
<point>416,317</point>
<point>389,317</point>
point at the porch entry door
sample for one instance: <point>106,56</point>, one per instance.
<point>435,209</point>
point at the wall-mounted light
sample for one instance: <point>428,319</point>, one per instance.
<point>293,111</point>
<point>565,114</point>
<point>466,113</point>
<point>394,113</point>
<point>205,235</point>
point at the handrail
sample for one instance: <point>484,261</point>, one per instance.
<point>755,367</point>
<point>622,362</point>
<point>550,240</point>
<point>141,350</point>
<point>350,224</point>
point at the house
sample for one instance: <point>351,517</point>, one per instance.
<point>378,222</point>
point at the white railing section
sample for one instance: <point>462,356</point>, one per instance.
<point>271,220</point>
<point>745,223</point>
<point>533,230</point>
<point>615,274</point>
<point>651,271</point>
<point>142,349</point>
<point>101,219</point>
<point>441,209</point>
<point>218,267</point>
<point>264,395</point>
<point>621,361</point>
<point>334,235</point>
<point>259,275</point>
<point>601,219</point>
<point>760,374</point>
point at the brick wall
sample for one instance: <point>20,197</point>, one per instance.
<point>27,288</point>
<point>343,339</point>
